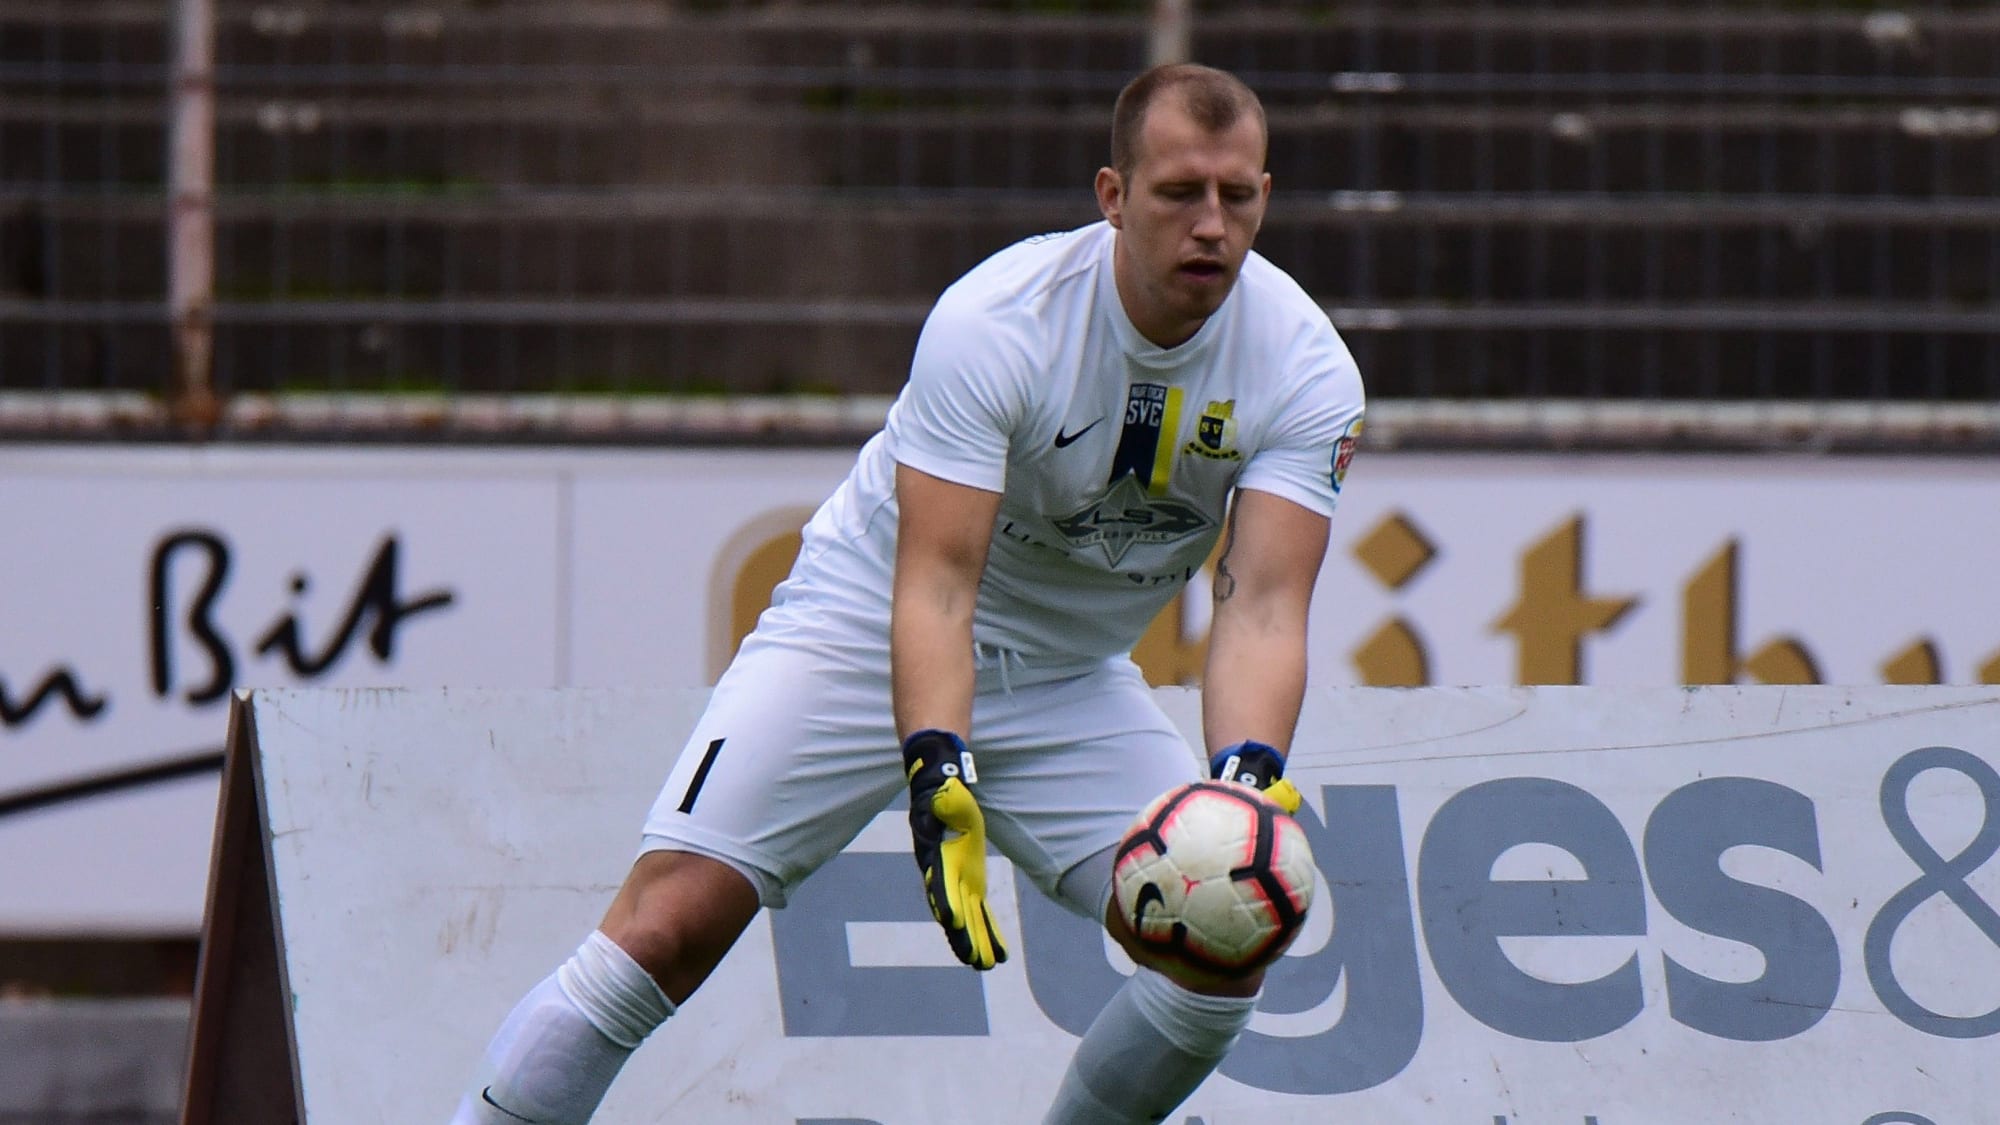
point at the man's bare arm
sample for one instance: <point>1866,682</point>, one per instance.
<point>941,546</point>
<point>1255,677</point>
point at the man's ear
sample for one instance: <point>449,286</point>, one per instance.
<point>1111,197</point>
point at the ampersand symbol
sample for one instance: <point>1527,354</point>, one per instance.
<point>1941,876</point>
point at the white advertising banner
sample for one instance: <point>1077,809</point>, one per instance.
<point>1540,906</point>
<point>139,585</point>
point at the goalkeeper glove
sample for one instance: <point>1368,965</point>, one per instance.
<point>1261,768</point>
<point>950,843</point>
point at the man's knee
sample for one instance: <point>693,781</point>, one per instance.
<point>677,915</point>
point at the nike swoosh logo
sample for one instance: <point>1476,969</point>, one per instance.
<point>1063,439</point>
<point>486,1096</point>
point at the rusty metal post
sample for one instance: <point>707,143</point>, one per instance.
<point>191,219</point>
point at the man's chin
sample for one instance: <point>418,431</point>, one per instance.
<point>1202,303</point>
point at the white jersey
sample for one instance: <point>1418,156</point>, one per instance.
<point>1115,458</point>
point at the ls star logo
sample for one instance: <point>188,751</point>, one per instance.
<point>1125,516</point>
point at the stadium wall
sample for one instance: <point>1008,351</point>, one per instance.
<point>142,585</point>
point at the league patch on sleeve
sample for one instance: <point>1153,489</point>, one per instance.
<point>1343,453</point>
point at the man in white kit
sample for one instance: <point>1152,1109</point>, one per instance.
<point>1085,413</point>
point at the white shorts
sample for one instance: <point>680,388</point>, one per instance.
<point>797,752</point>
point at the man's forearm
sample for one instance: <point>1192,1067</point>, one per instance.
<point>930,662</point>
<point>1253,684</point>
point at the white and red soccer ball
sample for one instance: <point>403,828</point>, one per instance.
<point>1216,876</point>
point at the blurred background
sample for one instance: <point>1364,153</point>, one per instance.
<point>1714,224</point>
<point>223,207</point>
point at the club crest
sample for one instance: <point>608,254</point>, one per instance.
<point>1215,433</point>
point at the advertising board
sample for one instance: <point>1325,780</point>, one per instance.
<point>1540,905</point>
<point>138,586</point>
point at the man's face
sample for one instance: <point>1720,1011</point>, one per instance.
<point>1186,217</point>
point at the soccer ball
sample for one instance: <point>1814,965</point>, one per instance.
<point>1215,876</point>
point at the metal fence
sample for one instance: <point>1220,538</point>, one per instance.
<point>1571,222</point>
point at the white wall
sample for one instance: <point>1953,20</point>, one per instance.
<point>605,568</point>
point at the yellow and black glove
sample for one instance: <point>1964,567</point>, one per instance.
<point>1261,768</point>
<point>950,842</point>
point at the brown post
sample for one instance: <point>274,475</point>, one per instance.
<point>1169,32</point>
<point>191,219</point>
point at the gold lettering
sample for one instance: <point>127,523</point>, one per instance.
<point>1394,552</point>
<point>1553,614</point>
<point>1393,657</point>
<point>1551,618</point>
<point>1708,633</point>
<point>749,565</point>
<point>1917,664</point>
<point>1708,621</point>
<point>1783,661</point>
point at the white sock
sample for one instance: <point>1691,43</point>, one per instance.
<point>1146,1052</point>
<point>556,1053</point>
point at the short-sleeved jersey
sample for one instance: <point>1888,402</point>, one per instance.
<point>1115,458</point>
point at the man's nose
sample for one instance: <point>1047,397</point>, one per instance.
<point>1208,224</point>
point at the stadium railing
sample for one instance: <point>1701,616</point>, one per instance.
<point>1585,223</point>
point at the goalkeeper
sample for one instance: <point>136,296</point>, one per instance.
<point>1087,413</point>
